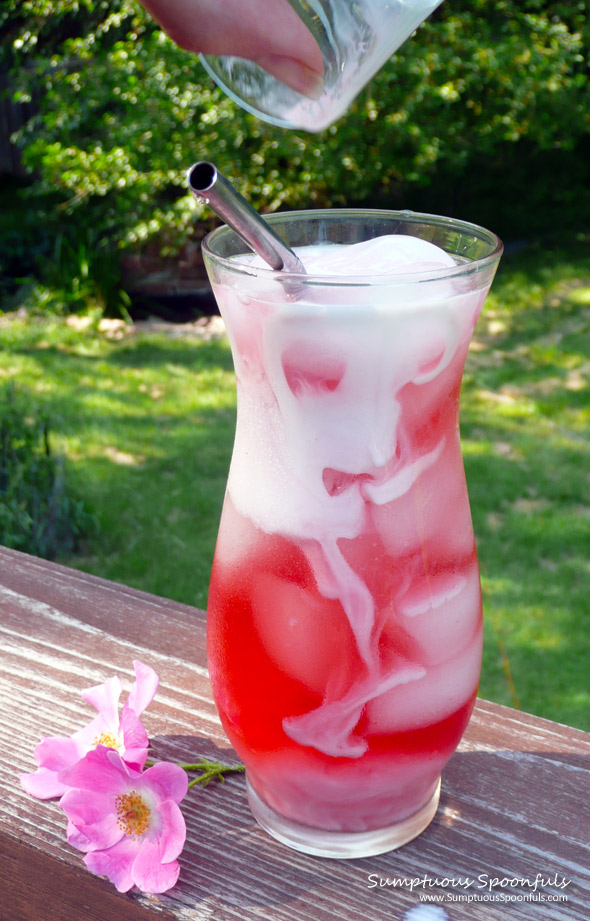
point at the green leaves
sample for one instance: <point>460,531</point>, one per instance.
<point>124,112</point>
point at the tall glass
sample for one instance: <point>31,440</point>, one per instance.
<point>344,617</point>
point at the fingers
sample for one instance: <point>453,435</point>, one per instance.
<point>292,73</point>
<point>268,32</point>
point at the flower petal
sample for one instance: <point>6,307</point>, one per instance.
<point>150,874</point>
<point>143,691</point>
<point>53,755</point>
<point>171,834</point>
<point>101,770</point>
<point>56,753</point>
<point>92,820</point>
<point>105,697</point>
<point>115,863</point>
<point>89,736</point>
<point>167,780</point>
<point>43,784</point>
<point>135,739</point>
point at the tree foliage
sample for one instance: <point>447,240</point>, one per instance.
<point>123,111</point>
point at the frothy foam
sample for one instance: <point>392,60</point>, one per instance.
<point>387,255</point>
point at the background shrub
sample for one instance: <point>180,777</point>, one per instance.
<point>483,88</point>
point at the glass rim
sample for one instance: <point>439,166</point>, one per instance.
<point>477,232</point>
<point>209,61</point>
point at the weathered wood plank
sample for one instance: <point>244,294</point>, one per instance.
<point>514,802</point>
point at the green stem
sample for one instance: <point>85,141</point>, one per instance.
<point>210,770</point>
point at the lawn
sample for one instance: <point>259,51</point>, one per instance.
<point>526,443</point>
<point>146,422</point>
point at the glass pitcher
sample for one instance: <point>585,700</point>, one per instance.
<point>356,39</point>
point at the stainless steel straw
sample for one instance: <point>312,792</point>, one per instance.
<point>208,185</point>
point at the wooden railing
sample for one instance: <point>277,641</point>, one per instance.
<point>514,806</point>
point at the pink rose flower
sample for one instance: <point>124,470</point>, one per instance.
<point>128,822</point>
<point>124,734</point>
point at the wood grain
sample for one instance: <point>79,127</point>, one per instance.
<point>514,803</point>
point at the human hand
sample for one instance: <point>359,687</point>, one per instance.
<point>268,32</point>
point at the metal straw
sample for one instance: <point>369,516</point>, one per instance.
<point>208,185</point>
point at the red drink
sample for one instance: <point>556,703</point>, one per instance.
<point>344,617</point>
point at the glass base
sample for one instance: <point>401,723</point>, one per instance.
<point>340,844</point>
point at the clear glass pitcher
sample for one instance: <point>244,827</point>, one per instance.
<point>344,616</point>
<point>355,38</point>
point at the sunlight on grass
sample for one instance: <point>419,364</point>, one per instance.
<point>580,296</point>
<point>526,437</point>
<point>147,424</point>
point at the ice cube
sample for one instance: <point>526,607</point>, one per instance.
<point>443,689</point>
<point>434,512</point>
<point>307,636</point>
<point>330,728</point>
<point>442,612</point>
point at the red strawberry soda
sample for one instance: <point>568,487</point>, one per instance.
<point>344,615</point>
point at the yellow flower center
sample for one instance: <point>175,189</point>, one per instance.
<point>108,740</point>
<point>133,813</point>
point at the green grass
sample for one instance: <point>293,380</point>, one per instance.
<point>147,424</point>
<point>526,441</point>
